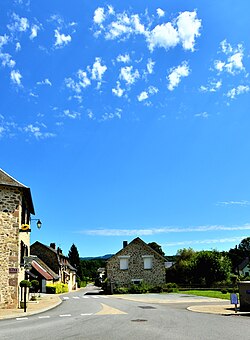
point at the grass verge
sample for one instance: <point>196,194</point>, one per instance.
<point>207,293</point>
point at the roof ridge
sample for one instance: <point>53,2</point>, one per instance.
<point>13,179</point>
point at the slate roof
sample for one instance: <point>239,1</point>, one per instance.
<point>136,240</point>
<point>7,180</point>
<point>43,269</point>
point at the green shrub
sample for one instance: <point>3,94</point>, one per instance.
<point>224,290</point>
<point>25,283</point>
<point>156,289</point>
<point>170,287</point>
<point>121,290</point>
<point>140,288</point>
<point>35,285</point>
<point>50,289</point>
<point>57,288</point>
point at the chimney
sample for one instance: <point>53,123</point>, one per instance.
<point>53,245</point>
<point>125,243</point>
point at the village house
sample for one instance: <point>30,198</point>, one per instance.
<point>136,262</point>
<point>56,261</point>
<point>16,207</point>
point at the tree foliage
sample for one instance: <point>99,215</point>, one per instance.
<point>74,260</point>
<point>157,248</point>
<point>89,267</point>
<point>204,268</point>
<point>239,253</point>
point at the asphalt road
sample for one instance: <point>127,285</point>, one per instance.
<point>99,317</point>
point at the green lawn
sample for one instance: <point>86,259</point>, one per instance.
<point>207,293</point>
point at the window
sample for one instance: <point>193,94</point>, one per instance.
<point>124,262</point>
<point>148,261</point>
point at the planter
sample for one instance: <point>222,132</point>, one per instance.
<point>22,304</point>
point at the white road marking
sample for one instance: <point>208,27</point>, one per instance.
<point>65,298</point>
<point>95,297</point>
<point>86,314</point>
<point>64,315</point>
<point>85,297</point>
<point>24,318</point>
<point>44,317</point>
<point>76,297</point>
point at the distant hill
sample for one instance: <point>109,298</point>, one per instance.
<point>104,257</point>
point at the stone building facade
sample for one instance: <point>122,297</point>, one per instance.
<point>135,263</point>
<point>15,208</point>
<point>55,260</point>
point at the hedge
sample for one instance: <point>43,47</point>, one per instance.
<point>57,288</point>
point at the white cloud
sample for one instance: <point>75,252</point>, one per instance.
<point>150,66</point>
<point>234,59</point>
<point>36,132</point>
<point>237,91</point>
<point>160,12</point>
<point>99,15</point>
<point>162,230</point>
<point>18,46</point>
<point>18,24</point>
<point>237,203</point>
<point>146,94</point>
<point>142,96</point>
<point>213,86</point>
<point>188,29</point>
<point>118,91</point>
<point>71,114</point>
<point>34,31</point>
<point>176,74</point>
<point>3,40</point>
<point>83,78</point>
<point>164,35</point>
<point>16,77</point>
<point>98,70</point>
<point>206,241</point>
<point>202,115</point>
<point>61,39</point>
<point>112,115</point>
<point>7,60</point>
<point>128,75</point>
<point>45,82</point>
<point>123,58</point>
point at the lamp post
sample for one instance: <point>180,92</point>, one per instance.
<point>38,223</point>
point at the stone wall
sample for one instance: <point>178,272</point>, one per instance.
<point>136,250</point>
<point>10,205</point>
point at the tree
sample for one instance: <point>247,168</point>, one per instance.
<point>211,267</point>
<point>244,246</point>
<point>239,253</point>
<point>74,260</point>
<point>157,248</point>
<point>182,271</point>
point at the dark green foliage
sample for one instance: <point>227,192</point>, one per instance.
<point>50,289</point>
<point>25,283</point>
<point>35,285</point>
<point>157,248</point>
<point>89,268</point>
<point>74,260</point>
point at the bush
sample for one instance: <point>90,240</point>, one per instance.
<point>121,290</point>
<point>140,288</point>
<point>156,289</point>
<point>57,288</point>
<point>25,283</point>
<point>170,287</point>
<point>35,285</point>
<point>224,290</point>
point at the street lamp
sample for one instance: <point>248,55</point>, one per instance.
<point>38,223</point>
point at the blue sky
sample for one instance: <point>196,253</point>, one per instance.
<point>129,119</point>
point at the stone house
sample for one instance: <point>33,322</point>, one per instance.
<point>16,206</point>
<point>42,273</point>
<point>135,263</point>
<point>244,267</point>
<point>56,261</point>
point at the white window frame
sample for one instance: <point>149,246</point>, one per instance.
<point>146,263</point>
<point>124,262</point>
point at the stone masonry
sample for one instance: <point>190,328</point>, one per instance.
<point>135,252</point>
<point>12,197</point>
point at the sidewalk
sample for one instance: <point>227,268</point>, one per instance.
<point>45,302</point>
